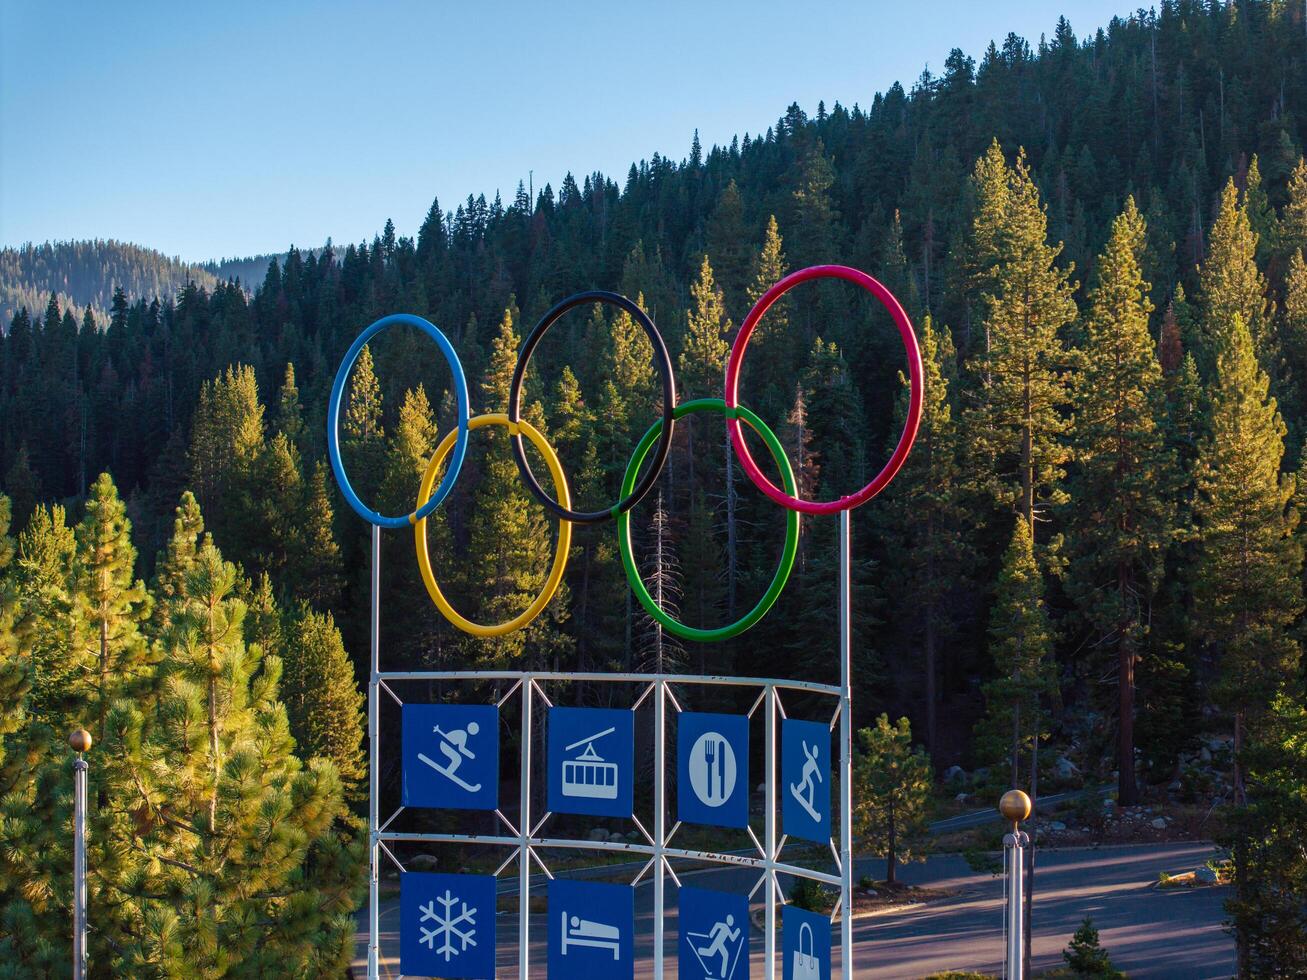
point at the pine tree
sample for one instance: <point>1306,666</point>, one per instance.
<point>1021,644</point>
<point>43,626</point>
<point>728,244</point>
<point>289,417</point>
<point>891,794</point>
<point>1248,589</point>
<point>1121,526</point>
<point>277,498</point>
<point>319,572</point>
<point>226,443</point>
<point>1265,837</point>
<point>776,349</point>
<point>1018,427</point>
<point>923,517</point>
<point>1293,219</point>
<point>1230,284</point>
<point>659,651</point>
<point>703,359</point>
<point>15,676</point>
<point>172,565</point>
<point>323,702</point>
<point>510,541</point>
<point>363,434</point>
<point>109,607</point>
<point>235,846</point>
<point>1085,957</point>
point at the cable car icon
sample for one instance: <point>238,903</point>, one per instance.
<point>588,775</point>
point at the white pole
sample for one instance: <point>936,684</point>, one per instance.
<point>79,868</point>
<point>1013,921</point>
<point>374,769</point>
<point>846,751</point>
<point>524,829</point>
<point>769,838</point>
<point>660,820</point>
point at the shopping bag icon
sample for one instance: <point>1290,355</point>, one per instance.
<point>806,964</point>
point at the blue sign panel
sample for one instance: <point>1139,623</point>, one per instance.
<point>591,761</point>
<point>447,925</point>
<point>451,756</point>
<point>805,780</point>
<point>712,769</point>
<point>591,931</point>
<point>714,929</point>
<point>805,944</point>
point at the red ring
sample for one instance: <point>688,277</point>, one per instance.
<point>916,390</point>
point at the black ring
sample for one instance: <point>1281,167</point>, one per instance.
<point>664,446</point>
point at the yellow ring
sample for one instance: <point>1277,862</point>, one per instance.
<point>560,550</point>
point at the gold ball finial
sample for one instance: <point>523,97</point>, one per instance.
<point>1015,806</point>
<point>80,740</point>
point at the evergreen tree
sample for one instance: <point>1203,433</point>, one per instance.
<point>319,576</point>
<point>776,349</point>
<point>323,702</point>
<point>923,517</point>
<point>172,566</point>
<point>728,244</point>
<point>1122,524</point>
<point>1248,589</point>
<point>1230,284</point>
<point>1085,957</point>
<point>289,418</point>
<point>1270,869</point>
<point>891,793</point>
<point>1018,426</point>
<point>362,430</point>
<point>510,542</point>
<point>109,607</point>
<point>43,625</point>
<point>1020,642</point>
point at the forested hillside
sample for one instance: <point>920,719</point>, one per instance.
<point>1101,242</point>
<point>86,273</point>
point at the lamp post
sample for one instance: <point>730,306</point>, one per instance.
<point>1015,806</point>
<point>80,740</point>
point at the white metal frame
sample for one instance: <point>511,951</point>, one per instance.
<point>526,840</point>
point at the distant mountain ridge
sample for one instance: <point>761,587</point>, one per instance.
<point>83,273</point>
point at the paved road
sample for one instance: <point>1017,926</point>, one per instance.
<point>1149,933</point>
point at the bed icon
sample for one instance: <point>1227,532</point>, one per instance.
<point>586,932</point>
<point>591,931</point>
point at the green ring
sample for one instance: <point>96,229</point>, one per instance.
<point>782,575</point>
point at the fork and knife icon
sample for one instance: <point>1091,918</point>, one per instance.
<point>715,789</point>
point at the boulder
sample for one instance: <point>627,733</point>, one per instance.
<point>599,835</point>
<point>1204,875</point>
<point>423,862</point>
<point>1065,768</point>
<point>1158,823</point>
<point>962,797</point>
<point>1057,825</point>
<point>955,774</point>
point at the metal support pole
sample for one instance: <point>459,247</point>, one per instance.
<point>1013,919</point>
<point>660,819</point>
<point>524,829</point>
<point>846,750</point>
<point>79,868</point>
<point>374,772</point>
<point>769,838</point>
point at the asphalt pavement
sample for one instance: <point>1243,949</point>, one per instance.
<point>1149,932</point>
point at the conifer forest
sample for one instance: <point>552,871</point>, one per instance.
<point>1090,571</point>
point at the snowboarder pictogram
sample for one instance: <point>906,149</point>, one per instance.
<point>447,925</point>
<point>454,746</point>
<point>805,790</point>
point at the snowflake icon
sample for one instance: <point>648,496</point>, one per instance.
<point>447,928</point>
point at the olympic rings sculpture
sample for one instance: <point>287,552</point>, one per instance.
<point>658,438</point>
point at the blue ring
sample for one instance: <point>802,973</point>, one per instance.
<point>333,421</point>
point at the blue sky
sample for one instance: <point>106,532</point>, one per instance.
<point>208,130</point>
